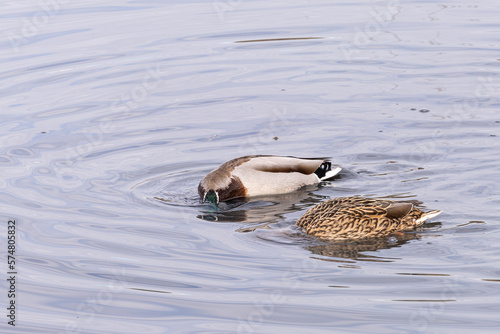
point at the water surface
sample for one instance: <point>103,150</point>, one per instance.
<point>112,113</point>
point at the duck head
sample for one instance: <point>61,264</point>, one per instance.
<point>211,196</point>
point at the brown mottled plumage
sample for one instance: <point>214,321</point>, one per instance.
<point>359,217</point>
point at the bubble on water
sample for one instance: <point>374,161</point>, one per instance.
<point>392,240</point>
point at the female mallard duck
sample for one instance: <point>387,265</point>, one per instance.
<point>359,217</point>
<point>257,175</point>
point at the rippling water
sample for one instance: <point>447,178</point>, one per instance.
<point>112,113</point>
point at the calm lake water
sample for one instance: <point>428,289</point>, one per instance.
<point>112,113</point>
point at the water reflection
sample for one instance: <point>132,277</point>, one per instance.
<point>355,249</point>
<point>266,217</point>
<point>262,210</point>
<point>277,39</point>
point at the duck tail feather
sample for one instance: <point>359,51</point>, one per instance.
<point>428,215</point>
<point>329,174</point>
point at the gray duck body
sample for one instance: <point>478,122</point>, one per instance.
<point>257,175</point>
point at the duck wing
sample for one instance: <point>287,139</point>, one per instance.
<point>276,164</point>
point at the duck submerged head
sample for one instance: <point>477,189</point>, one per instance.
<point>211,196</point>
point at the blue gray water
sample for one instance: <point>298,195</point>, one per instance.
<point>112,113</point>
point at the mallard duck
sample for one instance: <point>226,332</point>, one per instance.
<point>257,175</point>
<point>359,217</point>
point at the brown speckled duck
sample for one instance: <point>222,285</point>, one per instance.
<point>359,217</point>
<point>257,175</point>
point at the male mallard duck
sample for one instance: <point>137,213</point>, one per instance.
<point>359,217</point>
<point>256,175</point>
